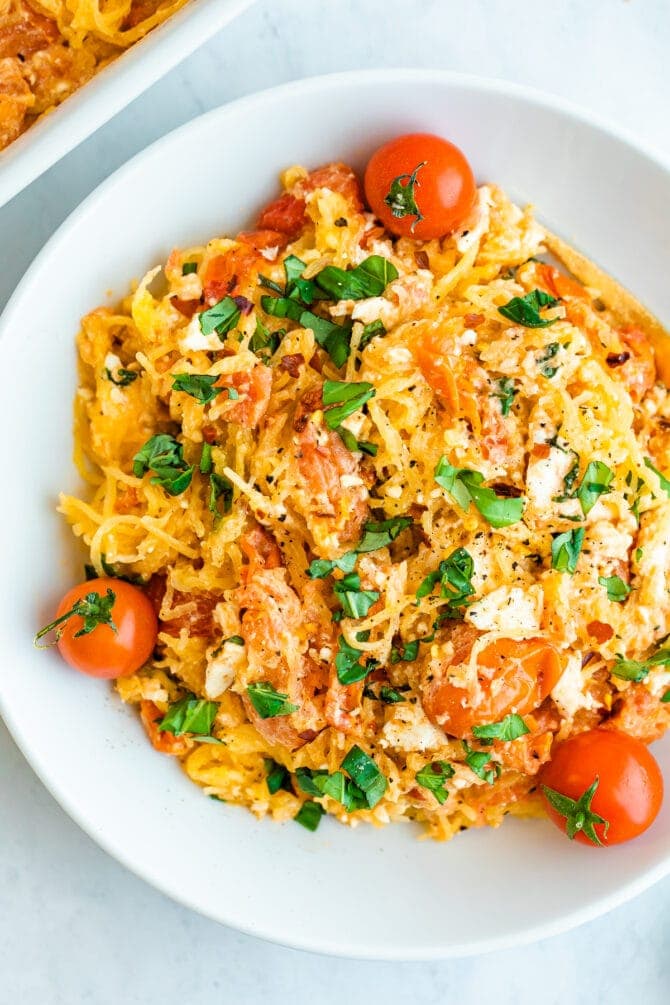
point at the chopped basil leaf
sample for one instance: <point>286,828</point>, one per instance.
<point>265,342</point>
<point>220,488</point>
<point>365,773</point>
<point>189,715</point>
<point>206,463</point>
<point>337,786</point>
<point>390,695</point>
<point>464,485</point>
<point>309,815</point>
<point>346,398</point>
<point>380,535</point>
<point>355,602</point>
<point>220,318</point>
<point>665,484</point>
<point>188,268</point>
<point>349,670</point>
<point>433,777</point>
<point>480,762</point>
<point>163,455</point>
<point>200,386</point>
<point>276,776</point>
<point>369,279</point>
<point>268,702</point>
<point>123,377</point>
<point>505,393</point>
<point>666,696</point>
<point>596,482</point>
<point>637,670</point>
<point>455,575</point>
<point>335,339</point>
<point>401,197</point>
<point>526,310</point>
<point>282,307</point>
<point>406,653</point>
<point>565,550</point>
<point>543,361</point>
<point>319,568</point>
<point>509,728</point>
<point>617,590</point>
<point>372,330</point>
<point>93,609</point>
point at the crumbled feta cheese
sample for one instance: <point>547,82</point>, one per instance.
<point>478,224</point>
<point>193,339</point>
<point>222,669</point>
<point>409,729</point>
<point>570,693</point>
<point>508,609</point>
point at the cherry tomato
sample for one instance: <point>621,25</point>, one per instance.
<point>514,676</point>
<point>602,787</point>
<point>420,186</point>
<point>104,628</point>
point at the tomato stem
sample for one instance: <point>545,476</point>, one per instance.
<point>401,197</point>
<point>93,609</point>
<point>578,813</point>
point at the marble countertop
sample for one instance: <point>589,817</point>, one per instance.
<point>75,926</point>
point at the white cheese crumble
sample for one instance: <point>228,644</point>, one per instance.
<point>222,668</point>
<point>508,609</point>
<point>193,339</point>
<point>410,729</point>
<point>569,694</point>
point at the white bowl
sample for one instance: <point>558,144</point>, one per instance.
<point>360,892</point>
<point>111,90</point>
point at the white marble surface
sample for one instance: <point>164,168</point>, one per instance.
<point>76,927</point>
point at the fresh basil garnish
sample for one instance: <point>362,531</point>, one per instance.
<point>526,310</point>
<point>123,377</point>
<point>665,484</point>
<point>201,386</point>
<point>505,393</point>
<point>546,369</point>
<point>221,490</point>
<point>322,567</point>
<point>433,777</point>
<point>596,482</point>
<point>188,268</point>
<point>345,398</point>
<point>369,279</point>
<point>637,670</point>
<point>206,463</point>
<point>464,485</point>
<point>349,669</point>
<point>355,602</point>
<point>319,783</point>
<point>309,815</point>
<point>375,329</point>
<point>364,772</point>
<point>268,702</point>
<point>407,652</point>
<point>189,715</point>
<point>220,318</point>
<point>509,728</point>
<point>565,550</point>
<point>380,535</point>
<point>163,455</point>
<point>617,589</point>
<point>265,342</point>
<point>335,339</point>
<point>480,762</point>
<point>276,776</point>
<point>455,575</point>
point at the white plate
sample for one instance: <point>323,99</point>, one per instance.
<point>111,90</point>
<point>352,892</point>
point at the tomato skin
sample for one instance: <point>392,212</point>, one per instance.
<point>445,192</point>
<point>514,676</point>
<point>630,787</point>
<point>103,652</point>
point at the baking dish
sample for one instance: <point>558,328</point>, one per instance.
<point>111,90</point>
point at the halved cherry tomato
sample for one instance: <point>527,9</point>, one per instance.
<point>515,675</point>
<point>420,186</point>
<point>602,787</point>
<point>558,284</point>
<point>104,628</point>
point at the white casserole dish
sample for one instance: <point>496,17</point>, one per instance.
<point>111,90</point>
